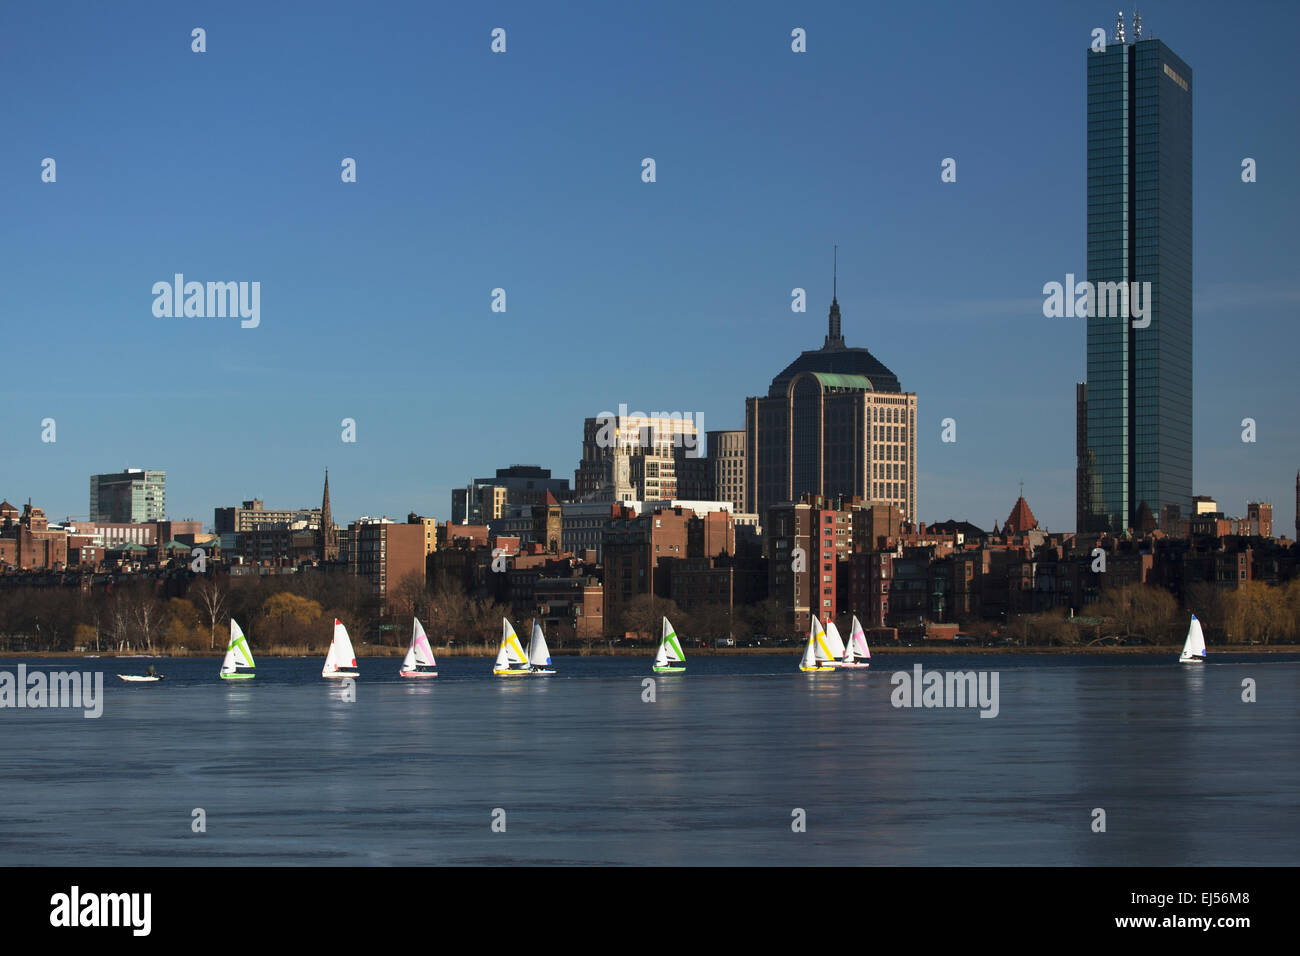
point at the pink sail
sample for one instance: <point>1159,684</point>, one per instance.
<point>418,655</point>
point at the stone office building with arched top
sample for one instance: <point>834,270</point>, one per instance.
<point>836,422</point>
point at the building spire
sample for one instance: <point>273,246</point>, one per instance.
<point>329,539</point>
<point>834,340</point>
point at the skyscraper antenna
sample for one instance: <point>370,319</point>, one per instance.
<point>1137,25</point>
<point>1119,27</point>
<point>834,340</point>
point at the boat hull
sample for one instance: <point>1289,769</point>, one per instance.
<point>237,676</point>
<point>669,670</point>
<point>137,679</point>
<point>540,672</point>
<point>1191,660</point>
<point>816,670</point>
<point>337,675</point>
<point>853,666</point>
<point>418,673</point>
<point>511,673</point>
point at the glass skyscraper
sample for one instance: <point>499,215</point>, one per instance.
<point>1135,414</point>
<point>131,496</point>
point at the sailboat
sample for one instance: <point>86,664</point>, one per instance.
<point>834,643</point>
<point>669,659</point>
<point>237,656</point>
<point>1194,646</point>
<point>856,652</point>
<point>511,659</point>
<point>341,661</point>
<point>418,655</point>
<point>539,655</point>
<point>816,656</point>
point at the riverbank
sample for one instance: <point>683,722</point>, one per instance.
<point>604,650</point>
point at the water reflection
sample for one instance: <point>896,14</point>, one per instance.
<point>239,697</point>
<point>1194,683</point>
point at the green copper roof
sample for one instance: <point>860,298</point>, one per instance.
<point>834,380</point>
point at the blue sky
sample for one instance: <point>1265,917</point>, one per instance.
<point>522,171</point>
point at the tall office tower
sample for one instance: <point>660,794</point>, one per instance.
<point>836,422</point>
<point>1139,388</point>
<point>132,496</point>
<point>727,466</point>
<point>1083,468</point>
<point>637,457</point>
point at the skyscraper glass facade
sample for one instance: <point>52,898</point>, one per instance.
<point>1139,387</point>
<point>131,496</point>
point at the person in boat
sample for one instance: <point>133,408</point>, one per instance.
<point>149,671</point>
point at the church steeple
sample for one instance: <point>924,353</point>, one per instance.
<point>329,538</point>
<point>834,340</point>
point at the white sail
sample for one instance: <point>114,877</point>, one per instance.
<point>809,652</point>
<point>419,653</point>
<point>347,657</point>
<point>669,646</point>
<point>503,659</point>
<point>341,656</point>
<point>511,653</point>
<point>857,641</point>
<point>818,640</point>
<point>661,656</point>
<point>237,651</point>
<point>834,643</point>
<point>539,655</point>
<point>1194,646</point>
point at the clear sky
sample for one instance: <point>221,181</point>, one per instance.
<point>522,171</point>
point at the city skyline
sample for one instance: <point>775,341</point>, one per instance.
<point>704,257</point>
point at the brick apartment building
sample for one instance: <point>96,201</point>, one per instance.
<point>385,552</point>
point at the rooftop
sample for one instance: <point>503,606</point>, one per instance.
<point>837,359</point>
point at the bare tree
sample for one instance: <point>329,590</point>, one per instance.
<point>709,622</point>
<point>409,598</point>
<point>146,614</point>
<point>212,599</point>
<point>119,619</point>
<point>641,615</point>
<point>767,618</point>
<point>453,610</point>
<point>484,619</point>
